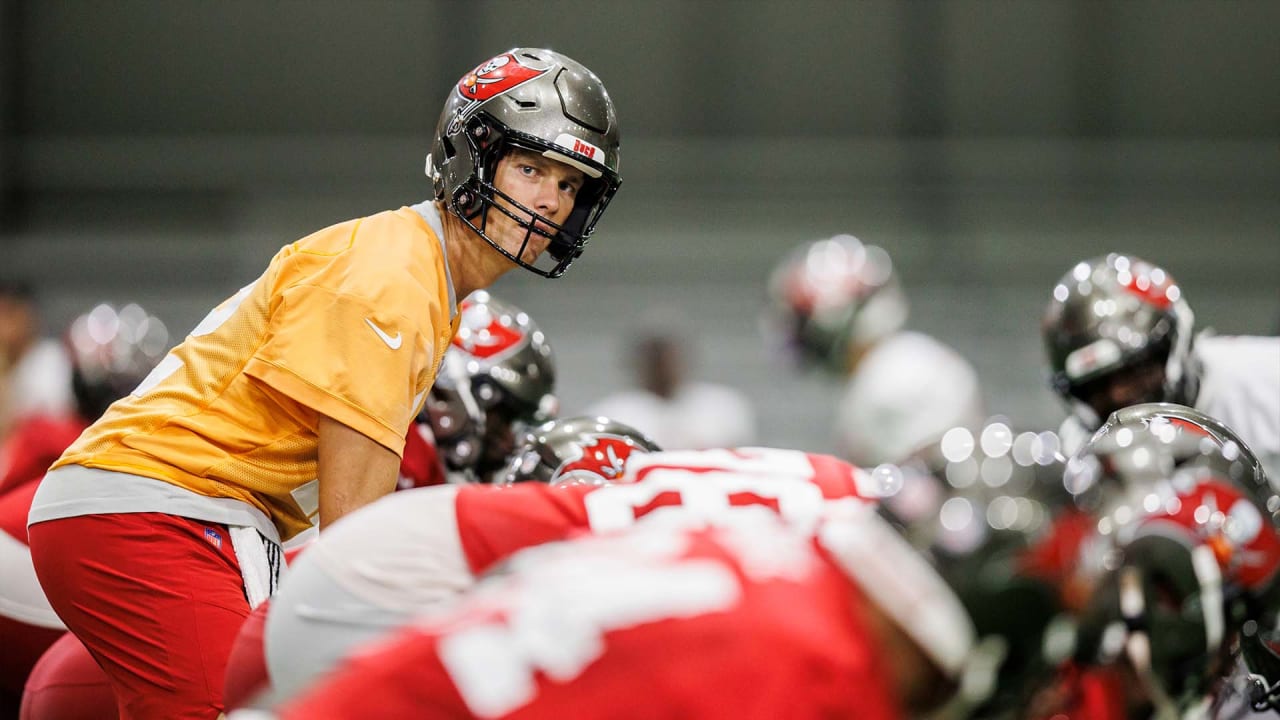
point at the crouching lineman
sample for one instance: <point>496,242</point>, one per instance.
<point>1188,562</point>
<point>496,380</point>
<point>747,617</point>
<point>838,303</point>
<point>597,482</point>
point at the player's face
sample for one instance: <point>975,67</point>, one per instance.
<point>546,186</point>
<point>1130,386</point>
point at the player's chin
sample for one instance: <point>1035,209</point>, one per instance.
<point>538,244</point>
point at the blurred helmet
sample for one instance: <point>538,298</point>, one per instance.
<point>1189,547</point>
<point>537,100</point>
<point>829,295</point>
<point>497,376</point>
<point>1118,332</point>
<point>1149,443</point>
<point>111,353</point>
<point>1015,476</point>
<point>577,451</point>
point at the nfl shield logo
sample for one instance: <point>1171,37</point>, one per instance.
<point>213,537</point>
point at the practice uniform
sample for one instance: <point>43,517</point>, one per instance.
<point>406,554</point>
<point>745,620</point>
<point>905,393</point>
<point>215,452</point>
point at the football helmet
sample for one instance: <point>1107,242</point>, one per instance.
<point>581,450</point>
<point>1016,476</point>
<point>1118,332</point>
<point>833,294</point>
<point>1189,552</point>
<point>111,351</point>
<point>537,100</point>
<point>497,376</point>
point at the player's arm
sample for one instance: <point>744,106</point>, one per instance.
<point>353,470</point>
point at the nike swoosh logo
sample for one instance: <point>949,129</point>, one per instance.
<point>392,342</point>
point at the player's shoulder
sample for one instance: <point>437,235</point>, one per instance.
<point>382,232</point>
<point>1225,347</point>
<point>392,260</point>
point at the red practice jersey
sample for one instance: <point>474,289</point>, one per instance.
<point>493,522</point>
<point>747,619</point>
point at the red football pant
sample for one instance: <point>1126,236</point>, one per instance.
<point>156,599</point>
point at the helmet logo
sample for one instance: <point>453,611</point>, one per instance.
<point>1149,284</point>
<point>483,335</point>
<point>495,77</point>
<point>604,459</point>
<point>488,81</point>
<point>1241,539</point>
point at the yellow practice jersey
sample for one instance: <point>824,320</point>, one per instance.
<point>350,322</point>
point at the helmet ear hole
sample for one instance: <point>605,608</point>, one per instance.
<point>468,202</point>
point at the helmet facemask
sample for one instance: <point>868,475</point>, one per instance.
<point>472,202</point>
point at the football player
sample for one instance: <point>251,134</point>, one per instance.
<point>450,536</point>
<point>1119,331</point>
<point>289,403</point>
<point>1187,561</point>
<point>838,303</point>
<point>748,617</point>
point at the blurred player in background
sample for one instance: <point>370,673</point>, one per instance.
<point>33,370</point>
<point>677,412</point>
<point>289,403</point>
<point>1118,332</point>
<point>838,304</point>
<point>1185,563</point>
<point>111,351</point>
